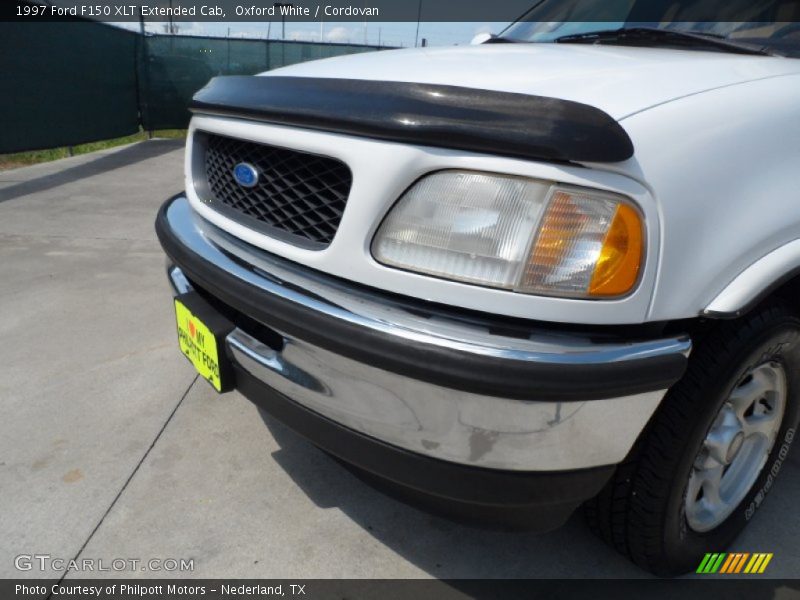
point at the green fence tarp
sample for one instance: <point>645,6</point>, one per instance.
<point>63,84</point>
<point>173,68</point>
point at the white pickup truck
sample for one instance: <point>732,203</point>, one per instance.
<point>505,280</point>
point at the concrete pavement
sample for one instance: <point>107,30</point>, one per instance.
<point>111,448</point>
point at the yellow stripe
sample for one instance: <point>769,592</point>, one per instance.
<point>741,562</point>
<point>765,563</point>
<point>728,562</point>
<point>751,563</point>
<point>757,564</point>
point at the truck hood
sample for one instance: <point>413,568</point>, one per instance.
<point>618,80</point>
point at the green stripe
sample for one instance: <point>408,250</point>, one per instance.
<point>718,564</point>
<point>710,564</point>
<point>701,568</point>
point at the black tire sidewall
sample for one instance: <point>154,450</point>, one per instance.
<point>779,342</point>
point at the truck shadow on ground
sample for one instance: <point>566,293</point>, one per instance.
<point>109,162</point>
<point>445,549</point>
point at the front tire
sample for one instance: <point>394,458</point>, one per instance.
<point>712,451</point>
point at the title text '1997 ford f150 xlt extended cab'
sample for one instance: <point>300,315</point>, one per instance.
<point>556,268</point>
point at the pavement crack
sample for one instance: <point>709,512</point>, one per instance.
<point>127,481</point>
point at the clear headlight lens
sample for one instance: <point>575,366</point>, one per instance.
<point>514,233</point>
<point>464,226</point>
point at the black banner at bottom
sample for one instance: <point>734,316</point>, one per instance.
<point>387,589</point>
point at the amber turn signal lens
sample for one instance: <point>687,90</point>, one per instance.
<point>617,267</point>
<point>589,245</point>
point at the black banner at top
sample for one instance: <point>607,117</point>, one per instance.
<point>645,11</point>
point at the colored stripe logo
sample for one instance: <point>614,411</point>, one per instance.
<point>734,562</point>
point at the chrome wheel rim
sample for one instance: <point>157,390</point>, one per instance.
<point>736,447</point>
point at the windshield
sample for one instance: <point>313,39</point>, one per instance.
<point>772,24</point>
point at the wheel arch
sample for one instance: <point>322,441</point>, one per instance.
<point>776,274</point>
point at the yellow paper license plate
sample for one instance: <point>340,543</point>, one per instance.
<point>199,345</point>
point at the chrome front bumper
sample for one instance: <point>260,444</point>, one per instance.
<point>496,428</point>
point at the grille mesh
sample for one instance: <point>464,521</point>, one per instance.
<point>298,193</point>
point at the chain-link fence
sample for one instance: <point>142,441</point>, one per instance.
<point>172,68</point>
<point>65,83</point>
<point>68,83</point>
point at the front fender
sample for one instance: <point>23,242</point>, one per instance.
<point>723,169</point>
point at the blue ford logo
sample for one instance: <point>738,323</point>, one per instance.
<point>245,174</point>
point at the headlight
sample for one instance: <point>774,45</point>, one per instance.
<point>514,233</point>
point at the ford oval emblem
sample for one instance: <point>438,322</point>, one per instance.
<point>245,174</point>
